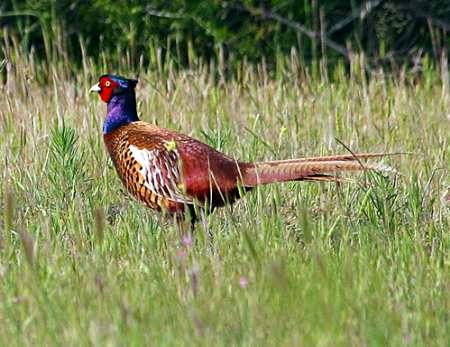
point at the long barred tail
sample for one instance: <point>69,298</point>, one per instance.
<point>310,169</point>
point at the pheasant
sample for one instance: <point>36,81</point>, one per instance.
<point>172,172</point>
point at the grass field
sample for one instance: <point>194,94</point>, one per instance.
<point>365,263</point>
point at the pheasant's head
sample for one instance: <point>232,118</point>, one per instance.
<point>118,93</point>
<point>110,85</point>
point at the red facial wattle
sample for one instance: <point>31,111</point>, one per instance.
<point>107,87</point>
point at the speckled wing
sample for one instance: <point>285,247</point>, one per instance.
<point>167,170</point>
<point>159,168</point>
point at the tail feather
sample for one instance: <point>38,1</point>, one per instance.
<point>342,157</point>
<point>310,169</point>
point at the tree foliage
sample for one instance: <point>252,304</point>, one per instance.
<point>385,31</point>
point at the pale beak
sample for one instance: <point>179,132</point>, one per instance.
<point>95,88</point>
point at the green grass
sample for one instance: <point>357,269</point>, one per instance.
<point>360,264</point>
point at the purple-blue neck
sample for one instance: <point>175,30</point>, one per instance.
<point>121,111</point>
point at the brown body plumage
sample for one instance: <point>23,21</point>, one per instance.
<point>180,170</point>
<point>170,171</point>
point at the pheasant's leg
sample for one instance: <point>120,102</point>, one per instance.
<point>191,216</point>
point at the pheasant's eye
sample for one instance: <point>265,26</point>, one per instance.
<point>107,83</point>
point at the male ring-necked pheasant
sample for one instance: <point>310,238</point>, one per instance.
<point>170,171</point>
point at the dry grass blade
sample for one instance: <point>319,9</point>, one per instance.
<point>99,217</point>
<point>8,216</point>
<point>28,245</point>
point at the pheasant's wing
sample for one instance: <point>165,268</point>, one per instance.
<point>156,164</point>
<point>186,170</point>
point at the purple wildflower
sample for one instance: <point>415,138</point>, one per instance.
<point>243,282</point>
<point>187,240</point>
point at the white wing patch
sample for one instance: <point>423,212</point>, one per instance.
<point>161,172</point>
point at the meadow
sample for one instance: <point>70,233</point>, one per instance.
<point>363,263</point>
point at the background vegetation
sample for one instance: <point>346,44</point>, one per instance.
<point>298,264</point>
<point>387,32</point>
